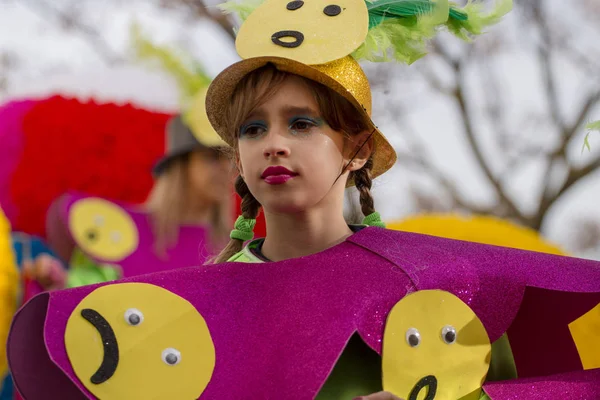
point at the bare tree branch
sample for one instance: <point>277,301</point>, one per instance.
<point>412,159</point>
<point>574,175</point>
<point>589,103</point>
<point>543,51</point>
<point>91,35</point>
<point>549,196</point>
<point>434,81</point>
<point>470,134</point>
<point>199,8</point>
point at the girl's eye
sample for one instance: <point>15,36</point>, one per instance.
<point>302,125</point>
<point>252,130</point>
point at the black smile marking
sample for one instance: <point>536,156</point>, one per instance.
<point>109,342</point>
<point>277,36</point>
<point>429,382</point>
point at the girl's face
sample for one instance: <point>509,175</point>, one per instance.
<point>209,175</point>
<point>287,154</point>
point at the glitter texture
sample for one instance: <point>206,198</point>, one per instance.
<point>576,385</point>
<point>344,76</point>
<point>279,328</point>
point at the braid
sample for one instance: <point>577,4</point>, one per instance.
<point>363,182</point>
<point>250,208</point>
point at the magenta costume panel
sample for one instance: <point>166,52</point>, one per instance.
<point>279,328</point>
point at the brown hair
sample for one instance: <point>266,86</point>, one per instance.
<point>255,89</point>
<point>169,202</point>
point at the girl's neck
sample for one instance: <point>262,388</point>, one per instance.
<point>302,234</point>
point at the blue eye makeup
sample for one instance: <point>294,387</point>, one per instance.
<point>252,129</point>
<point>304,124</point>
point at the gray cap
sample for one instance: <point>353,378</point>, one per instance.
<point>180,141</point>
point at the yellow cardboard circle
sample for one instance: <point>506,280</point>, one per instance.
<point>103,229</point>
<point>169,322</point>
<point>459,368</point>
<point>325,38</point>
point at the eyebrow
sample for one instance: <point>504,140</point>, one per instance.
<point>260,113</point>
<point>291,110</point>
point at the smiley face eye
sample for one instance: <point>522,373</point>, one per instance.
<point>332,10</point>
<point>115,237</point>
<point>98,220</point>
<point>449,334</point>
<point>294,5</point>
<point>134,317</point>
<point>413,337</point>
<point>171,356</point>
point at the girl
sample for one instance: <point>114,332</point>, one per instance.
<point>296,113</point>
<point>298,145</point>
<point>179,197</point>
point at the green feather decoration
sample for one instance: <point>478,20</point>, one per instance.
<point>592,126</point>
<point>476,21</point>
<point>242,8</point>
<point>400,29</point>
<point>381,10</point>
<point>190,79</point>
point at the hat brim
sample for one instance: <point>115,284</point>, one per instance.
<point>223,86</point>
<point>162,164</point>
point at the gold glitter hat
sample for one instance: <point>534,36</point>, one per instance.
<point>322,40</point>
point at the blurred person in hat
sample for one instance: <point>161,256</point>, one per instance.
<point>192,187</point>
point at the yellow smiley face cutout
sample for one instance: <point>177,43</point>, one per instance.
<point>103,229</point>
<point>434,347</point>
<point>139,341</point>
<point>312,31</point>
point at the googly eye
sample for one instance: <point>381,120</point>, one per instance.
<point>449,334</point>
<point>413,337</point>
<point>171,356</point>
<point>115,237</point>
<point>134,317</point>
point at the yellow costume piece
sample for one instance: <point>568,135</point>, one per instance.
<point>434,343</point>
<point>478,229</point>
<point>9,284</point>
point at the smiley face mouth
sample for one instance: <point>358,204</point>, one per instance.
<point>428,383</point>
<point>110,360</point>
<point>297,36</point>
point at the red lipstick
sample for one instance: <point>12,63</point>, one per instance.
<point>277,175</point>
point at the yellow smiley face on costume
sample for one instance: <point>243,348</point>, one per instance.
<point>139,341</point>
<point>434,347</point>
<point>312,31</point>
<point>103,229</point>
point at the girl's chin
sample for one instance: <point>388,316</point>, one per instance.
<point>280,206</point>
